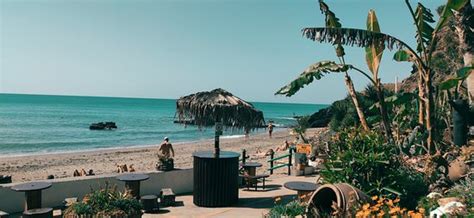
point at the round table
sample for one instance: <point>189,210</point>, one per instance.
<point>32,193</point>
<point>304,189</point>
<point>215,178</point>
<point>132,182</point>
<point>251,167</point>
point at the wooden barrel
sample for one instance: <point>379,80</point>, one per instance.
<point>342,193</point>
<point>216,179</point>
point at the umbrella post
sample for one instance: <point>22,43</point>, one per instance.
<point>219,128</point>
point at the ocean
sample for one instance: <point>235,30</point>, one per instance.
<point>39,124</point>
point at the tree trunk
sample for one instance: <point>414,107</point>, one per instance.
<point>421,110</point>
<point>464,25</point>
<point>352,93</point>
<point>383,111</point>
<point>429,108</point>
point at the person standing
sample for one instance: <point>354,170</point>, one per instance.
<point>270,129</point>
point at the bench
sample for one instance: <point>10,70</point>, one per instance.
<point>38,213</point>
<point>167,197</point>
<point>150,203</point>
<point>252,181</point>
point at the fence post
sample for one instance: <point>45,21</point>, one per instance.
<point>244,154</point>
<point>289,161</point>
<point>271,162</point>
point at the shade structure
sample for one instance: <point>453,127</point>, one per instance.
<point>205,108</point>
<point>216,172</point>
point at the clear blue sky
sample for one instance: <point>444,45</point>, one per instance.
<point>170,48</point>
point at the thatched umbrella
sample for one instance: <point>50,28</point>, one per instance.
<point>216,173</point>
<point>205,108</point>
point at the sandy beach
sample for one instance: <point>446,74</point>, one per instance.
<point>34,167</point>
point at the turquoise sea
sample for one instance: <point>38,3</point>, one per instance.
<point>34,124</point>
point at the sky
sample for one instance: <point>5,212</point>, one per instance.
<point>171,48</point>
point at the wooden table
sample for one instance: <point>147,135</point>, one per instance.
<point>304,189</point>
<point>132,182</point>
<point>32,193</point>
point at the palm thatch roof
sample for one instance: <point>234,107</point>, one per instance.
<point>204,108</point>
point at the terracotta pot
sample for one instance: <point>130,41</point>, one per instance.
<point>457,169</point>
<point>341,193</point>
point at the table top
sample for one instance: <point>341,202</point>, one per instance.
<point>31,186</point>
<point>251,164</point>
<point>132,177</point>
<point>210,154</point>
<point>301,186</point>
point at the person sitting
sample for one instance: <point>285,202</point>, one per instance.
<point>283,147</point>
<point>260,153</point>
<point>166,149</point>
<point>165,156</point>
<point>91,172</point>
<point>131,169</point>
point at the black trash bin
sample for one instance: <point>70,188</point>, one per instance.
<point>216,179</point>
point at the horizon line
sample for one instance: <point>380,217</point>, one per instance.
<point>149,98</point>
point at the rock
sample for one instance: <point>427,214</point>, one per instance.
<point>434,195</point>
<point>451,208</point>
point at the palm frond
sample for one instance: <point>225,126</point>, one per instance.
<point>353,37</point>
<point>373,53</point>
<point>424,35</point>
<point>313,72</point>
<point>330,18</point>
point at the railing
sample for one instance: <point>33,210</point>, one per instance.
<point>272,159</point>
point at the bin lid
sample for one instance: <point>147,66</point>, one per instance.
<point>210,154</point>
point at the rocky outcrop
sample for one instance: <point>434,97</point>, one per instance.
<point>321,118</point>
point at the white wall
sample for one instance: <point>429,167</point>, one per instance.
<point>181,181</point>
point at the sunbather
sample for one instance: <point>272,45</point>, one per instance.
<point>283,147</point>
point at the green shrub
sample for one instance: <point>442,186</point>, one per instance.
<point>464,190</point>
<point>106,202</point>
<point>364,160</point>
<point>292,209</point>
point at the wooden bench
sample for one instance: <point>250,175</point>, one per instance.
<point>167,197</point>
<point>252,181</point>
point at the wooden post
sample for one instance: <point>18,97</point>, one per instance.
<point>32,200</point>
<point>271,162</point>
<point>134,187</point>
<point>216,139</point>
<point>244,155</point>
<point>289,161</point>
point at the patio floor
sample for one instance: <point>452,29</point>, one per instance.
<point>251,203</point>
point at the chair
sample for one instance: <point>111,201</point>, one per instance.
<point>252,181</point>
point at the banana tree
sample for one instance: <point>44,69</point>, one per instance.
<point>316,70</point>
<point>373,56</point>
<point>426,41</point>
<point>464,26</point>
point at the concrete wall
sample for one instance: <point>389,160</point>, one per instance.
<point>181,181</point>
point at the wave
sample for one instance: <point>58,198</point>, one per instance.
<point>232,136</point>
